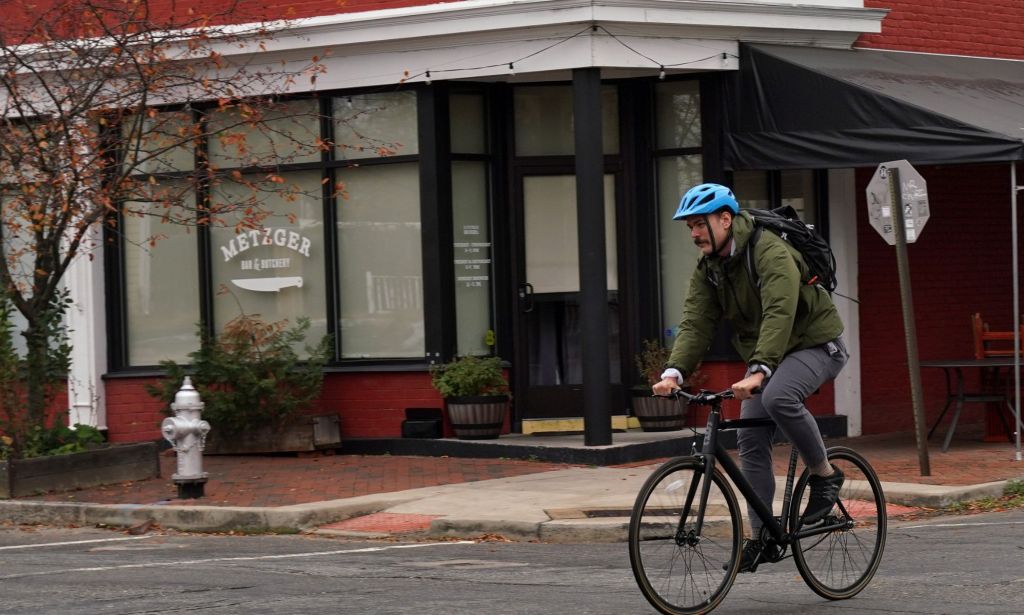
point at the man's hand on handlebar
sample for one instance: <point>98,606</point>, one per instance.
<point>666,386</point>
<point>745,389</point>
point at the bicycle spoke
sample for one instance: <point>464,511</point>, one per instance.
<point>678,571</point>
<point>839,563</point>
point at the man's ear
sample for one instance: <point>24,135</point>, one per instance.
<point>726,217</point>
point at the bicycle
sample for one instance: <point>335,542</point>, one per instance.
<point>686,529</point>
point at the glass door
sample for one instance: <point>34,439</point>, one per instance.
<point>549,344</point>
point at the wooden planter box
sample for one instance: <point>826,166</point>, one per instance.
<point>658,413</point>
<point>308,433</point>
<point>102,466</point>
<point>477,418</point>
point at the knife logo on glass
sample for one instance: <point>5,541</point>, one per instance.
<point>268,285</point>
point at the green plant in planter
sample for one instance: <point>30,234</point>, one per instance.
<point>469,377</point>
<point>476,395</point>
<point>250,376</point>
<point>650,362</point>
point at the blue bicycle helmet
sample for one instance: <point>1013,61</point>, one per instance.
<point>706,199</point>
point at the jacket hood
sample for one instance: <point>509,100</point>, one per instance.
<point>742,230</point>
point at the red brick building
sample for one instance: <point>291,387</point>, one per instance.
<point>476,252</point>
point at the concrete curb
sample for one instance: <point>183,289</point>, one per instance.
<point>306,517</point>
<point>938,496</point>
<point>199,518</point>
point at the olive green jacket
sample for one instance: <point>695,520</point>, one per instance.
<point>769,322</point>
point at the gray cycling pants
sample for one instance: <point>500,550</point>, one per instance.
<point>797,376</point>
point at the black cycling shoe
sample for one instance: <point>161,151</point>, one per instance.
<point>824,494</point>
<point>755,553</point>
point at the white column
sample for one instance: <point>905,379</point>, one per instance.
<point>87,321</point>
<point>842,224</point>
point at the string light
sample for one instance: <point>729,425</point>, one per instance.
<point>724,55</point>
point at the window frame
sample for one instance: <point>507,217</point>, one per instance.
<point>434,164</point>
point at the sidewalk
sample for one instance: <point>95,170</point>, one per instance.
<point>383,495</point>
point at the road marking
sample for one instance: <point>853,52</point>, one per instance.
<point>915,527</point>
<point>75,542</point>
<point>248,558</point>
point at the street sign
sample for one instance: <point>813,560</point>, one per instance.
<point>915,201</point>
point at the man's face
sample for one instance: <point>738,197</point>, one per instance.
<point>701,231</point>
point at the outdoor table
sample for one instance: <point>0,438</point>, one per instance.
<point>954,369</point>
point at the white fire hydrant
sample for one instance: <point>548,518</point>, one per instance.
<point>187,434</point>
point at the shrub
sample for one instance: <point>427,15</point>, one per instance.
<point>469,377</point>
<point>250,375</point>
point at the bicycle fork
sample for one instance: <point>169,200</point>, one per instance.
<point>703,480</point>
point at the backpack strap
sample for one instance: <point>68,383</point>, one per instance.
<point>751,270</point>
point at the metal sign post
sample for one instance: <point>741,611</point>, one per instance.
<point>1014,189</point>
<point>900,210</point>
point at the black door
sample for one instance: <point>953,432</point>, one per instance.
<point>548,345</point>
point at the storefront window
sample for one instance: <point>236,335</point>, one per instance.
<point>286,134</point>
<point>679,256</point>
<point>468,134</point>
<point>20,262</point>
<point>797,188</point>
<point>276,270</point>
<point>678,114</point>
<point>544,120</point>
<point>472,258</point>
<point>160,277</point>
<point>380,264</point>
<point>751,189</point>
<point>375,125</point>
<point>162,143</point>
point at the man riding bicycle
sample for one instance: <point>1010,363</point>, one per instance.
<point>786,330</point>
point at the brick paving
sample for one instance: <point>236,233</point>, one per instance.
<point>968,461</point>
<point>285,480</point>
<point>391,523</point>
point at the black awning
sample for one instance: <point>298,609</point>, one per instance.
<point>805,108</point>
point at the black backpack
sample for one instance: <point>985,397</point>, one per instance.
<point>784,222</point>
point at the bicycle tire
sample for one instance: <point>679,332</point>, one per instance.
<point>678,572</point>
<point>839,564</point>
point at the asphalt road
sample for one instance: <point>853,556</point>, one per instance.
<point>953,564</point>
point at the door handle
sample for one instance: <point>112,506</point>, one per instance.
<point>526,296</point>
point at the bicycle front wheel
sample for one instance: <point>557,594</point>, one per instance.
<point>679,570</point>
<point>839,563</point>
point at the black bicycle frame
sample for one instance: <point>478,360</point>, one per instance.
<point>712,452</point>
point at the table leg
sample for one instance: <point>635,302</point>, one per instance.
<point>956,412</point>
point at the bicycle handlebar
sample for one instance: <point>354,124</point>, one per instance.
<point>703,397</point>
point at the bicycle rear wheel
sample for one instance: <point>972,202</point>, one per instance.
<point>679,571</point>
<point>838,564</point>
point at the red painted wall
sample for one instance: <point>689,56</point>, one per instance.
<point>963,27</point>
<point>961,264</point>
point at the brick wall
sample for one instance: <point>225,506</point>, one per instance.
<point>17,13</point>
<point>963,27</point>
<point>132,415</point>
<point>961,264</point>
<point>369,404</point>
